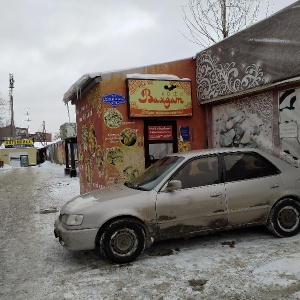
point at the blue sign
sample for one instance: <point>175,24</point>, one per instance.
<point>184,133</point>
<point>113,99</point>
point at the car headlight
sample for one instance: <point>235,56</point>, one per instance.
<point>72,219</point>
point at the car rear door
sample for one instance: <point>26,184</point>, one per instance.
<point>252,184</point>
<point>200,203</point>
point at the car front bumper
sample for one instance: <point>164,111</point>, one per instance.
<point>79,239</point>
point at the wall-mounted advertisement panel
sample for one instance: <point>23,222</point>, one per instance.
<point>159,98</point>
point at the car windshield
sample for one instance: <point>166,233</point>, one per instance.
<point>155,173</point>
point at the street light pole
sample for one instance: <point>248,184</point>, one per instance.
<point>11,87</point>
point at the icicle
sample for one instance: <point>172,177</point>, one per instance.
<point>68,111</point>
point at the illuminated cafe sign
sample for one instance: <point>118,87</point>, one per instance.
<point>159,98</point>
<point>18,143</point>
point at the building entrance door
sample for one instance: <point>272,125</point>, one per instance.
<point>160,140</point>
<point>15,158</point>
<point>24,160</point>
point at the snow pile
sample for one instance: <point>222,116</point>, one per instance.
<point>5,167</point>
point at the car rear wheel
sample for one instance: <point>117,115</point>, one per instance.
<point>284,218</point>
<point>122,241</point>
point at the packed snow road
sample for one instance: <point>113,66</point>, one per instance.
<point>242,264</point>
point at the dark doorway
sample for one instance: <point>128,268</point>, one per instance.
<point>24,160</point>
<point>160,140</point>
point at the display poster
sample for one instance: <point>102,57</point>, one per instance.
<point>110,145</point>
<point>184,133</point>
<point>90,141</point>
<point>160,133</point>
<point>159,98</point>
<point>123,142</point>
<point>288,130</point>
<point>289,124</point>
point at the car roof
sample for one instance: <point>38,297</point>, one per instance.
<point>189,154</point>
<point>279,162</point>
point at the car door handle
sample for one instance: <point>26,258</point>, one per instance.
<point>274,186</point>
<point>214,195</point>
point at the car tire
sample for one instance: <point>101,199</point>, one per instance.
<point>284,218</point>
<point>122,241</point>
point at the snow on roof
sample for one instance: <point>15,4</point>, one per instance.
<point>84,80</point>
<point>76,88</point>
<point>39,145</point>
<point>155,76</point>
<point>36,145</point>
<point>275,41</point>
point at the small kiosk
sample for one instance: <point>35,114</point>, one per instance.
<point>68,135</point>
<point>128,119</point>
<point>19,153</point>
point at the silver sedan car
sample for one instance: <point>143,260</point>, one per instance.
<point>183,195</point>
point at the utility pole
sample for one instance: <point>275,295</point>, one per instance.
<point>44,143</point>
<point>28,120</point>
<point>11,101</point>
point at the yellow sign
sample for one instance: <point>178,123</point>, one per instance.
<point>23,142</point>
<point>159,98</point>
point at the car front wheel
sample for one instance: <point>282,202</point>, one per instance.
<point>122,241</point>
<point>284,218</point>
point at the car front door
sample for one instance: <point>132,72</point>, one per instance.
<point>252,184</point>
<point>198,206</point>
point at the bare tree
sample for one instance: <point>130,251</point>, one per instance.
<point>210,21</point>
<point>4,112</point>
<point>56,136</point>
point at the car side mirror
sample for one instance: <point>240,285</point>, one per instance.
<point>174,185</point>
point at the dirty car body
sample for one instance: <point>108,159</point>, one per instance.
<point>182,195</point>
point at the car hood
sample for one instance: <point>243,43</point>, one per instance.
<point>84,201</point>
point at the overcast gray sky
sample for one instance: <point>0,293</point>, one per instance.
<point>49,44</point>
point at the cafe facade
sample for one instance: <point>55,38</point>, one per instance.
<point>126,120</point>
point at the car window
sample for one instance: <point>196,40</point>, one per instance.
<point>242,166</point>
<point>199,172</point>
<point>155,173</point>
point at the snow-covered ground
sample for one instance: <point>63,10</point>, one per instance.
<point>33,265</point>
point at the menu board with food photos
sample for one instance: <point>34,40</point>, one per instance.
<point>123,142</point>
<point>110,145</point>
